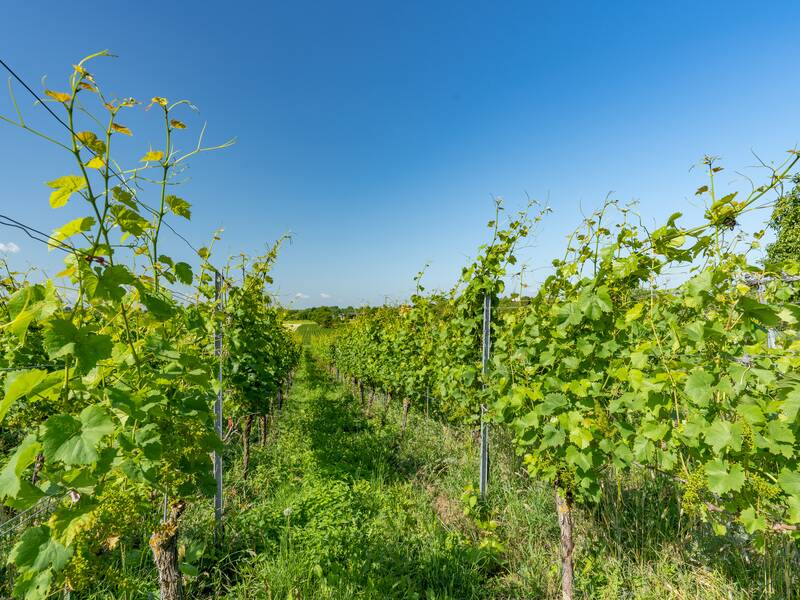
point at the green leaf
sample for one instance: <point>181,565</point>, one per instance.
<point>129,220</point>
<point>700,284</point>
<point>19,384</point>
<point>64,188</point>
<point>552,402</point>
<point>763,313</point>
<point>603,299</point>
<point>108,285</point>
<point>552,436</point>
<point>791,405</point>
<point>160,308</point>
<point>793,503</point>
<point>124,196</point>
<point>31,303</point>
<point>751,521</point>
<point>698,386</point>
<point>777,431</point>
<point>724,434</point>
<point>68,521</point>
<point>751,413</point>
<point>24,456</point>
<point>789,482</point>
<point>654,430</point>
<point>34,586</point>
<point>581,437</point>
<point>623,454</point>
<point>582,460</point>
<point>62,338</point>
<point>27,496</point>
<point>183,271</point>
<point>722,479</point>
<point>37,551</point>
<point>74,441</point>
<point>633,313</point>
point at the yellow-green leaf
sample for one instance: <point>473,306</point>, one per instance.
<point>634,312</point>
<point>179,206</point>
<point>157,100</point>
<point>121,129</point>
<point>70,229</point>
<point>96,163</point>
<point>60,96</point>
<point>64,188</point>
<point>90,140</point>
<point>177,124</point>
<point>86,138</point>
<point>152,156</point>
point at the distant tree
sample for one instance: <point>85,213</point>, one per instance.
<point>785,221</point>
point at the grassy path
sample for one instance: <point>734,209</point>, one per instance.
<point>340,505</point>
<point>339,512</point>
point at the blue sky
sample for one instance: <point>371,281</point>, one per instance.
<point>378,132</point>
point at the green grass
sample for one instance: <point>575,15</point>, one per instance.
<point>305,329</point>
<point>339,506</point>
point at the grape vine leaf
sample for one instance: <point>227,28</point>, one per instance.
<point>789,482</point>
<point>751,521</point>
<point>62,337</point>
<point>108,284</point>
<point>64,188</point>
<point>698,386</point>
<point>179,207</point>
<point>721,479</point>
<point>37,550</point>
<point>183,271</point>
<point>22,383</point>
<point>21,459</point>
<point>74,441</point>
<point>68,230</point>
<point>724,434</point>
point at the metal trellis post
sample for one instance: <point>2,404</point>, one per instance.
<point>771,333</point>
<point>487,341</point>
<point>218,408</point>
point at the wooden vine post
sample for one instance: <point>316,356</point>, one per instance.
<point>218,410</point>
<point>487,340</point>
<point>164,544</point>
<point>564,510</point>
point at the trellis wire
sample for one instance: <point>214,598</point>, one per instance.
<point>22,519</point>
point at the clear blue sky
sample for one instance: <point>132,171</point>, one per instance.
<point>378,132</point>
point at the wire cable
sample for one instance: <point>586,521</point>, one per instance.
<point>108,166</point>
